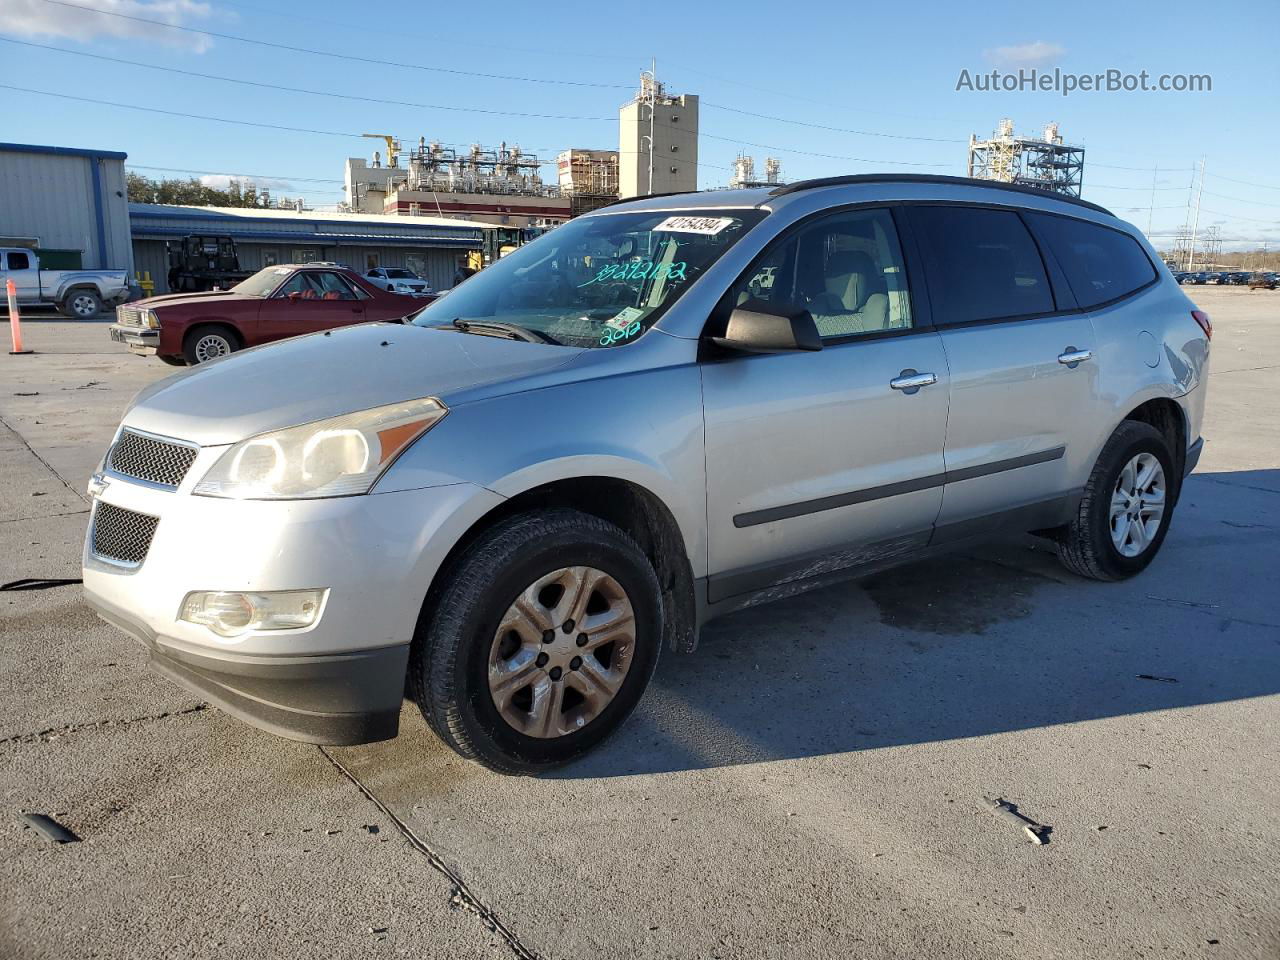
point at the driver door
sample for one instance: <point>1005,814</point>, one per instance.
<point>310,301</point>
<point>827,459</point>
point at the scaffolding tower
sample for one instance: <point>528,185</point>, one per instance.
<point>1045,162</point>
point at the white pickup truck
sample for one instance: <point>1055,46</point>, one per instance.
<point>76,293</point>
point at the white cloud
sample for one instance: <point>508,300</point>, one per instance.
<point>1038,54</point>
<point>220,181</point>
<point>38,18</point>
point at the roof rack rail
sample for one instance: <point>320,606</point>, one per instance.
<point>855,178</point>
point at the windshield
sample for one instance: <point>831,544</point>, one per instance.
<point>597,281</point>
<point>401,275</point>
<point>262,283</point>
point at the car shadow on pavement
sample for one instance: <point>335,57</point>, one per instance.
<point>995,639</point>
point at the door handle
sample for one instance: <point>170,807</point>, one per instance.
<point>1071,356</point>
<point>909,381</point>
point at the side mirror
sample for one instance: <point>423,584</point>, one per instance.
<point>758,331</point>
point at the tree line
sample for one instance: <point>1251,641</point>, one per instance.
<point>191,192</point>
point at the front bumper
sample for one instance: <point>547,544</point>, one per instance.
<point>139,340</point>
<point>339,681</point>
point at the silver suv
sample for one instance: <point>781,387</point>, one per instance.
<point>655,414</point>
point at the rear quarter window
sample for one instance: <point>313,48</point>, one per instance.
<point>1101,264</point>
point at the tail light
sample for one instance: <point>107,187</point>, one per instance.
<point>1202,318</point>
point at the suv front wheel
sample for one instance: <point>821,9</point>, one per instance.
<point>540,644</point>
<point>1127,505</point>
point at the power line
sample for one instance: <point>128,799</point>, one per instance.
<point>815,126</point>
<point>1256,203</point>
<point>224,173</point>
<point>1247,183</point>
<point>313,93</point>
<point>330,53</point>
<point>1236,216</point>
<point>823,156</point>
<point>175,113</point>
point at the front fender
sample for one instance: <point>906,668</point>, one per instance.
<point>644,428</point>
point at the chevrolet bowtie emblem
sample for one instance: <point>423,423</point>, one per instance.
<point>97,485</point>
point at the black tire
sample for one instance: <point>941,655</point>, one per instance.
<point>448,665</point>
<point>81,304</point>
<point>173,361</point>
<point>1085,546</point>
<point>198,343</point>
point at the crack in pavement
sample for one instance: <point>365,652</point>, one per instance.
<point>47,516</point>
<point>53,733</point>
<point>31,450</point>
<point>463,897</point>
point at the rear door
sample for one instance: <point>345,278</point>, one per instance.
<point>1024,385</point>
<point>827,459</point>
<point>309,301</point>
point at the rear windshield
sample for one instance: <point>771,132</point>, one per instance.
<point>598,281</point>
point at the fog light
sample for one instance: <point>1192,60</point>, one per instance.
<point>229,614</point>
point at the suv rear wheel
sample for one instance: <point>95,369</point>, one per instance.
<point>1127,505</point>
<point>540,644</point>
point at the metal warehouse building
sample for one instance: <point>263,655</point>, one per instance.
<point>66,199</point>
<point>429,246</point>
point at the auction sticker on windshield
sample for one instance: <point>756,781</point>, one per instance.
<point>709,226</point>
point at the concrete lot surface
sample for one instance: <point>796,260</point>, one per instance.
<point>808,784</point>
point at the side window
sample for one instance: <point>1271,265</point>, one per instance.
<point>19,261</point>
<point>334,287</point>
<point>983,265</point>
<point>845,269</point>
<point>1101,264</point>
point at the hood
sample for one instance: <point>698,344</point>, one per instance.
<point>152,302</point>
<point>324,375</point>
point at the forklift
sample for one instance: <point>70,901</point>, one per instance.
<point>200,263</point>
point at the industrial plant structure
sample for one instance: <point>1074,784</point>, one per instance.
<point>502,186</point>
<point>1045,162</point>
<point>744,172</point>
<point>589,178</point>
<point>657,141</point>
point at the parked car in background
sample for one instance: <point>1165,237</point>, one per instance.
<point>1264,281</point>
<point>274,303</point>
<point>659,412</point>
<point>80,294</point>
<point>1196,278</point>
<point>399,280</point>
<point>1239,278</point>
<point>1179,275</point>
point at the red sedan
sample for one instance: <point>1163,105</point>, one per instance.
<point>274,303</point>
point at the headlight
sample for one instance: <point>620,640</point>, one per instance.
<point>150,320</point>
<point>231,614</point>
<point>329,458</point>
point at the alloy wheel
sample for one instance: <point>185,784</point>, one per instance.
<point>1137,505</point>
<point>561,652</point>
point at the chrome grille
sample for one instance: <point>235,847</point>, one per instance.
<point>130,316</point>
<point>122,535</point>
<point>148,458</point>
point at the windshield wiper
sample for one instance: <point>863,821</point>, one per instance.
<point>512,330</point>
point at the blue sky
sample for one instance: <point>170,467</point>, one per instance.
<point>886,69</point>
